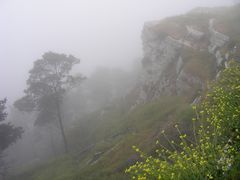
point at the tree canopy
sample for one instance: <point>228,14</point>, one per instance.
<point>48,80</point>
<point>8,132</point>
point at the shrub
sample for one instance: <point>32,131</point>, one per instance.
<point>213,154</point>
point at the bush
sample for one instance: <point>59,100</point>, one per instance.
<point>214,152</point>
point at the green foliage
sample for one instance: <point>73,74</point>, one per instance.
<point>60,169</point>
<point>199,64</point>
<point>214,152</point>
<point>112,133</point>
<point>9,134</point>
<point>48,81</point>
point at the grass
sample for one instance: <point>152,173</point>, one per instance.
<point>199,64</point>
<point>140,126</point>
<point>214,152</point>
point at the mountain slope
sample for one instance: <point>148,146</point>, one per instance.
<point>181,55</point>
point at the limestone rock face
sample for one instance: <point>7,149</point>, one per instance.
<point>194,33</point>
<point>177,55</point>
<point>217,39</point>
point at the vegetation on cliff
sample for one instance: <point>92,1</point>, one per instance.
<point>214,152</point>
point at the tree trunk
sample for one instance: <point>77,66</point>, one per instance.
<point>52,143</point>
<point>61,127</point>
<point>3,168</point>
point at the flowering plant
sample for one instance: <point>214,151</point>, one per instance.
<point>214,152</point>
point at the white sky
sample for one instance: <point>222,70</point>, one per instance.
<point>99,32</point>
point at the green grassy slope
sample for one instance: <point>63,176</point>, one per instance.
<point>112,136</point>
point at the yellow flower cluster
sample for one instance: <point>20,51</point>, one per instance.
<point>213,154</point>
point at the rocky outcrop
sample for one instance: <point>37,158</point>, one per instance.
<point>194,33</point>
<point>173,49</point>
<point>217,39</point>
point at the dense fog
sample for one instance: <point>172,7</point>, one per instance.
<point>105,35</point>
<point>100,33</point>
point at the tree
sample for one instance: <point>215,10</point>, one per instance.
<point>8,134</point>
<point>48,81</point>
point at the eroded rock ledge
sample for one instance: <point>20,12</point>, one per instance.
<point>182,53</point>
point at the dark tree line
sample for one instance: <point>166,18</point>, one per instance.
<point>9,134</point>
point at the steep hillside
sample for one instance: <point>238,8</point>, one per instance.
<point>102,142</point>
<point>181,55</point>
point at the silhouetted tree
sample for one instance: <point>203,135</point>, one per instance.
<point>8,134</point>
<point>49,79</point>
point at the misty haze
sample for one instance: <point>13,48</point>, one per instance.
<point>98,90</point>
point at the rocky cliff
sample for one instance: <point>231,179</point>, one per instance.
<point>182,53</point>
